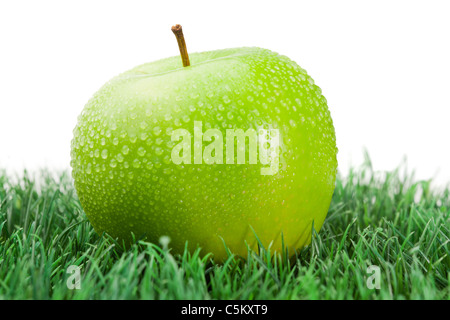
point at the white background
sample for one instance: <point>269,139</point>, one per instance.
<point>384,67</point>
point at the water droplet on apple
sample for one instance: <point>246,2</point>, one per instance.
<point>157,131</point>
<point>144,136</point>
<point>144,125</point>
<point>159,151</point>
<point>141,151</point>
<point>113,163</point>
<point>136,163</point>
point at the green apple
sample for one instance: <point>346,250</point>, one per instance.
<point>144,163</point>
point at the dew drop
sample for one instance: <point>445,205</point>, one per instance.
<point>141,151</point>
<point>113,163</point>
<point>157,131</point>
<point>144,125</point>
<point>136,163</point>
<point>144,136</point>
<point>226,99</point>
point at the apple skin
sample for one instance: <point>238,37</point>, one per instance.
<point>127,183</point>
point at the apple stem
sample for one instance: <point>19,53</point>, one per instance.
<point>178,31</point>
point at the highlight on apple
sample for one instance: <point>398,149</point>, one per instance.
<point>264,143</point>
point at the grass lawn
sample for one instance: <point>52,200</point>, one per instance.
<point>375,219</point>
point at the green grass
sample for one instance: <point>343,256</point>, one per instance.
<point>382,219</point>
